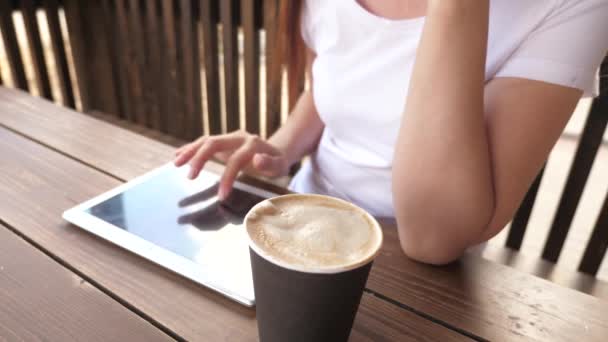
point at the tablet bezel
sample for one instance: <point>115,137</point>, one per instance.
<point>78,215</point>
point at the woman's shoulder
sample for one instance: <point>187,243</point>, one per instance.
<point>556,41</point>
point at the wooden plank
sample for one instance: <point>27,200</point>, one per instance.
<point>590,141</point>
<point>153,64</point>
<point>180,89</point>
<point>209,14</point>
<point>116,62</point>
<point>252,65</point>
<point>231,64</point>
<point>28,12</point>
<point>488,300</point>
<point>100,64</point>
<point>73,18</point>
<point>41,300</point>
<point>173,117</point>
<point>378,320</point>
<point>136,60</point>
<point>561,275</point>
<point>598,243</point>
<point>520,220</point>
<point>273,67</point>
<point>190,71</point>
<point>11,46</point>
<point>191,312</point>
<point>58,47</point>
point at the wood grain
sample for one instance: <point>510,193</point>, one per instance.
<point>74,21</point>
<point>136,60</point>
<point>209,16</point>
<point>378,320</point>
<point>532,264</point>
<point>153,65</point>
<point>46,183</point>
<point>11,46</point>
<point>190,311</point>
<point>115,45</point>
<point>231,66</point>
<point>51,10</point>
<point>273,67</point>
<point>128,71</point>
<point>249,13</point>
<point>28,12</point>
<point>173,117</point>
<point>61,306</point>
<point>190,70</point>
<point>474,295</point>
<point>489,300</point>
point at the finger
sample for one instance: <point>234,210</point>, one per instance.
<point>269,166</point>
<point>186,154</point>
<point>209,148</point>
<point>190,149</point>
<point>239,159</point>
<point>181,149</point>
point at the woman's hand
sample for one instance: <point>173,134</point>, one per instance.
<point>239,151</point>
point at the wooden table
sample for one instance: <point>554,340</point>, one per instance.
<point>60,283</point>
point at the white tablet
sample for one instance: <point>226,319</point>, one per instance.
<point>179,224</point>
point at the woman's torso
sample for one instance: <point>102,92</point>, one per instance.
<point>361,77</point>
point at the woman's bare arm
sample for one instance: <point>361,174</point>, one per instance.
<point>300,134</point>
<point>467,151</point>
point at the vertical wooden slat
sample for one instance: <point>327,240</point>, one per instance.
<point>180,94</point>
<point>273,67</point>
<point>252,66</point>
<point>172,117</point>
<point>74,21</point>
<point>35,45</point>
<point>579,172</point>
<point>11,45</point>
<point>153,64</point>
<point>209,14</point>
<point>520,220</point>
<point>230,54</point>
<point>190,70</point>
<point>59,54</point>
<point>598,243</point>
<point>136,60</point>
<point>114,46</point>
<point>101,83</point>
<point>129,105</point>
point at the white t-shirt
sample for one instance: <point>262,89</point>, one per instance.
<point>362,72</point>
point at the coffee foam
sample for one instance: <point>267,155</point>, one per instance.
<point>313,232</point>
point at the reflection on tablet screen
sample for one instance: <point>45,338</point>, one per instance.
<point>171,212</point>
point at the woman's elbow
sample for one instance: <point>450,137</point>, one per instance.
<point>433,253</point>
<point>438,242</point>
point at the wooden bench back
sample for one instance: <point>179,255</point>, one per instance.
<point>28,8</point>
<point>182,67</point>
<point>589,144</point>
<point>143,60</point>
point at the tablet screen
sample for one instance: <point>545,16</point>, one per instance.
<point>175,213</point>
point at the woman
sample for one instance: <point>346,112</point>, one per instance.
<point>451,106</point>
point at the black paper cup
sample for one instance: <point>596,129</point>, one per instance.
<point>295,304</point>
